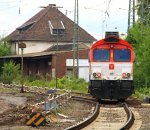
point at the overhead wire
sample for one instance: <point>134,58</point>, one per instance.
<point>19,7</point>
<point>107,6</point>
<point>17,4</point>
<point>114,14</point>
<point>2,2</point>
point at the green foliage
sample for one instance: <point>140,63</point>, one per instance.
<point>142,8</point>
<point>74,84</point>
<point>139,37</point>
<point>141,93</point>
<point>38,83</point>
<point>4,49</point>
<point>10,72</point>
<point>135,35</point>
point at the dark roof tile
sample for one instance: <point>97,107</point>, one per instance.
<point>37,28</point>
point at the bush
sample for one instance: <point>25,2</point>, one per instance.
<point>74,84</point>
<point>10,72</point>
<point>142,92</point>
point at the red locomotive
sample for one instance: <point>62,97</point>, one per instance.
<point>111,68</point>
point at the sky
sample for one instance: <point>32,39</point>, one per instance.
<point>95,16</point>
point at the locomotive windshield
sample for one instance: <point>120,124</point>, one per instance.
<point>122,55</point>
<point>101,55</point>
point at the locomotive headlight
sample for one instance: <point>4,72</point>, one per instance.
<point>124,75</point>
<point>97,75</point>
<point>94,75</point>
<point>128,75</point>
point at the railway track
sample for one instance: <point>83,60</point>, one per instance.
<point>112,117</point>
<point>89,119</point>
<point>102,117</point>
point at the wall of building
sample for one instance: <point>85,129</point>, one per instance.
<point>32,46</point>
<point>83,67</point>
<point>43,66</point>
<point>60,65</point>
<point>38,67</point>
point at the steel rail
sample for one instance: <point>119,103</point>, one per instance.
<point>91,118</point>
<point>88,120</point>
<point>130,118</point>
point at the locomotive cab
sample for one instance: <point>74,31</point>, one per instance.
<point>111,68</point>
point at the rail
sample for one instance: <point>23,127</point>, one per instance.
<point>67,95</point>
<point>88,120</point>
<point>130,118</point>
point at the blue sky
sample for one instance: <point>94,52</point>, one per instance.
<point>92,16</point>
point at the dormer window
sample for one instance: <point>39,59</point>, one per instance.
<point>56,27</point>
<point>58,31</point>
<point>25,26</point>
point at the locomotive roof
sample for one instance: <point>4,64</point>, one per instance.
<point>120,41</point>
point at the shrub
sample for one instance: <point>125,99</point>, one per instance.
<point>10,72</point>
<point>142,92</point>
<point>74,84</point>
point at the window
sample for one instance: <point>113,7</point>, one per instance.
<point>56,27</point>
<point>58,31</point>
<point>26,26</point>
<point>122,55</point>
<point>101,55</point>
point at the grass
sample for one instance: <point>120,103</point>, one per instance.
<point>8,90</point>
<point>73,84</point>
<point>142,92</point>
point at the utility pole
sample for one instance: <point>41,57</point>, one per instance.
<point>56,69</point>
<point>76,39</point>
<point>131,14</point>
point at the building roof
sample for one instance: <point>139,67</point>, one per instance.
<point>66,47</point>
<point>37,54</point>
<point>44,26</point>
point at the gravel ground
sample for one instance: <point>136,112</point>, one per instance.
<point>143,112</point>
<point>145,117</point>
<point>14,112</point>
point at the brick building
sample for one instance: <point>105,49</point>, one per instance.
<point>42,34</point>
<point>45,64</point>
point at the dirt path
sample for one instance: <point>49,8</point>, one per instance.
<point>14,112</point>
<point>9,100</point>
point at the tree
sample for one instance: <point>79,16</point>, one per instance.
<point>4,49</point>
<point>10,72</point>
<point>139,37</point>
<point>143,9</point>
<point>135,34</point>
